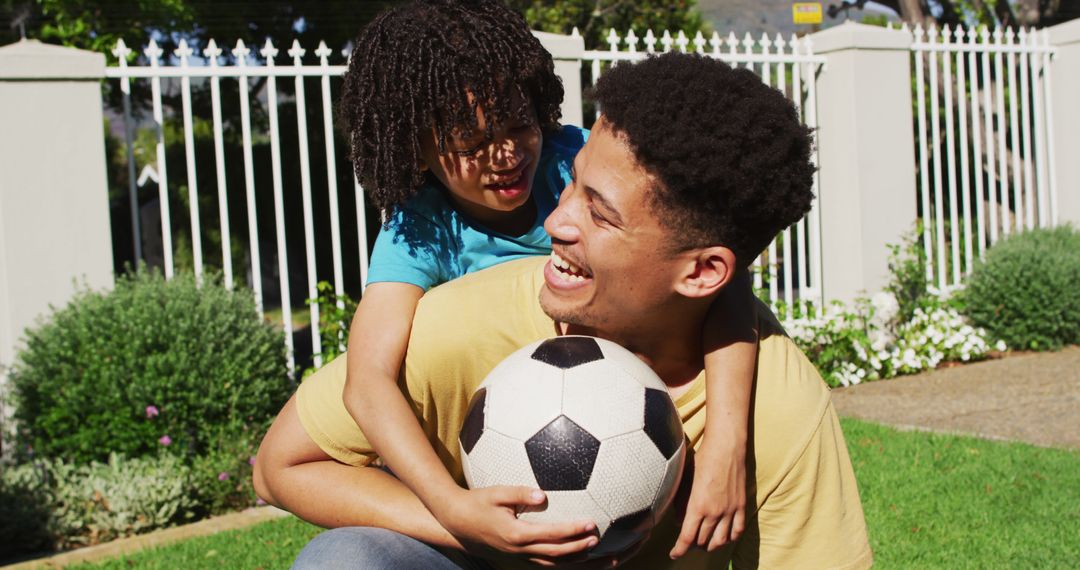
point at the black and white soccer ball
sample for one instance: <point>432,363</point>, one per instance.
<point>589,423</point>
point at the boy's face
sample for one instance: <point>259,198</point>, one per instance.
<point>489,180</point>
<point>622,270</point>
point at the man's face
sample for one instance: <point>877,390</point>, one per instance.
<point>611,267</point>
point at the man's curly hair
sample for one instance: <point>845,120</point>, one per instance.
<point>415,66</point>
<point>730,154</point>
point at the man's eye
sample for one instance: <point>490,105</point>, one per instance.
<point>596,216</point>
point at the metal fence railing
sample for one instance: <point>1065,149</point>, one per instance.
<point>985,97</point>
<point>790,270</point>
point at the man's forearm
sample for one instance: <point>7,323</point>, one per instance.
<point>293,473</point>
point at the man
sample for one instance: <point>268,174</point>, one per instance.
<point>692,170</point>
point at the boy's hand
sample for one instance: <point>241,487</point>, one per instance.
<point>485,522</point>
<point>716,511</point>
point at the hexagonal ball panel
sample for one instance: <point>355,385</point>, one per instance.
<point>473,425</point>
<point>603,399</point>
<point>633,365</point>
<point>628,471</point>
<point>523,396</point>
<point>562,455</point>
<point>568,351</point>
<point>670,486</point>
<point>498,460</point>
<point>562,506</point>
<point>662,422</point>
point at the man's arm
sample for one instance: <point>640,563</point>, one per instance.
<point>293,473</point>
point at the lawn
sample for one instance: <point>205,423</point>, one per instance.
<point>931,501</point>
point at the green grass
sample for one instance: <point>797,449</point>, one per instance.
<point>937,501</point>
<point>931,501</point>
<point>267,545</point>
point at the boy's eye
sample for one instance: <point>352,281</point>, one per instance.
<point>469,151</point>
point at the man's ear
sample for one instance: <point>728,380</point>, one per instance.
<point>708,270</point>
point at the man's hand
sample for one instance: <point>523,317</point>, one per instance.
<point>716,511</point>
<point>485,522</point>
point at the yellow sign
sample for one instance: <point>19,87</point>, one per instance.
<point>806,12</point>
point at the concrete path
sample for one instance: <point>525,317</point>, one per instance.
<point>1031,397</point>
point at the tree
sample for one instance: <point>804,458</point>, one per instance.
<point>594,18</point>
<point>1013,13</point>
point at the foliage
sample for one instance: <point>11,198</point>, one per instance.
<point>151,364</point>
<point>335,317</point>
<point>867,341</point>
<point>907,274</point>
<point>97,24</point>
<point>96,502</point>
<point>1024,291</point>
<point>24,511</point>
<point>594,18</point>
<point>223,475</point>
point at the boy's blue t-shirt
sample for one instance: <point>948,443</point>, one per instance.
<point>427,241</point>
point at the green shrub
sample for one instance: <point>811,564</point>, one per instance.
<point>335,317</point>
<point>1025,291</point>
<point>152,364</point>
<point>223,475</point>
<point>74,505</point>
<point>25,506</point>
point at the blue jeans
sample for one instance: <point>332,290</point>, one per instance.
<point>359,547</point>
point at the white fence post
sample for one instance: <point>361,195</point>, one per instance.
<point>1064,119</point>
<point>567,52</point>
<point>54,205</point>
<point>866,153</point>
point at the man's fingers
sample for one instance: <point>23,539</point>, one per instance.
<point>720,536</point>
<point>559,550</point>
<point>705,533</point>
<point>538,533</point>
<point>686,537</point>
<point>516,496</point>
<point>738,524</point>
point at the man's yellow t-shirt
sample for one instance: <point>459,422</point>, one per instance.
<point>803,504</point>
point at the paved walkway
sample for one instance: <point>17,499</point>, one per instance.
<point>1031,397</point>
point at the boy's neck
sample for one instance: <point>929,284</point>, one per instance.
<point>515,223</point>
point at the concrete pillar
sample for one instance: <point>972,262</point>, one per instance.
<point>1065,69</point>
<point>866,154</point>
<point>567,52</point>
<point>54,204</point>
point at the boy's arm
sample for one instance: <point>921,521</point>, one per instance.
<point>716,511</point>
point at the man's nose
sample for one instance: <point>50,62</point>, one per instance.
<point>560,224</point>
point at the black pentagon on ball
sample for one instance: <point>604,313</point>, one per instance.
<point>568,351</point>
<point>562,455</point>
<point>473,427</point>
<point>623,533</point>
<point>662,423</point>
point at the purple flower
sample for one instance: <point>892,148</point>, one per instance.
<point>223,476</point>
<point>259,501</point>
<point>165,440</point>
<point>151,411</point>
<point>251,460</point>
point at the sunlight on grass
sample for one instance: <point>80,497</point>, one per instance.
<point>931,501</point>
<point>958,502</point>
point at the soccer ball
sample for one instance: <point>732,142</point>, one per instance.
<point>589,423</point>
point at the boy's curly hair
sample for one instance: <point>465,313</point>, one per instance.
<point>731,156</point>
<point>415,66</point>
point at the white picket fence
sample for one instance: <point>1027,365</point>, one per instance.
<point>988,94</point>
<point>788,65</point>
